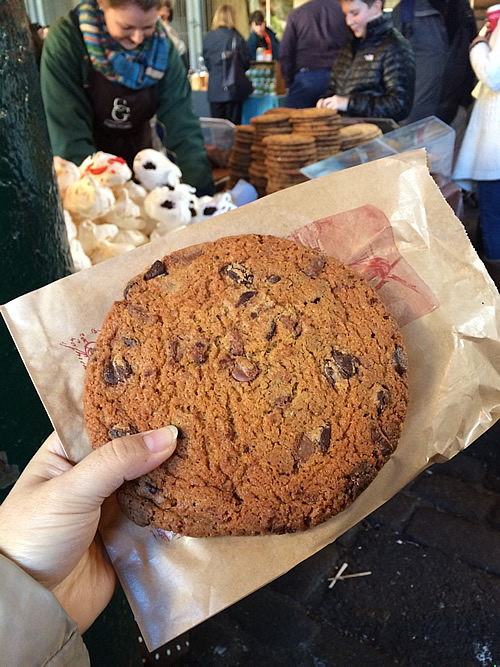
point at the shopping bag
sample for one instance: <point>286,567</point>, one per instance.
<point>234,79</point>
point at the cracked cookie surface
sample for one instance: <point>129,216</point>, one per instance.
<point>282,370</point>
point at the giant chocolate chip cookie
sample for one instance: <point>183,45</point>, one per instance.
<point>282,370</point>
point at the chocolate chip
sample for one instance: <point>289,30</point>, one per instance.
<point>380,439</point>
<point>315,266</point>
<point>330,372</point>
<point>400,361</point>
<point>117,370</point>
<point>157,269</point>
<point>361,476</point>
<point>245,370</point>
<point>273,279</point>
<point>185,257</point>
<point>175,350</point>
<point>324,438</point>
<point>141,313</point>
<point>119,431</point>
<point>238,273</point>
<point>130,342</point>
<point>281,401</point>
<point>209,210</point>
<point>128,288</point>
<point>149,165</point>
<point>341,367</point>
<point>168,203</point>
<point>347,364</point>
<point>304,448</point>
<point>236,344</point>
<point>246,296</point>
<point>199,351</point>
<point>383,398</point>
<point>272,330</point>
<point>293,325</point>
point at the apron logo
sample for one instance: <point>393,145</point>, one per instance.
<point>120,111</point>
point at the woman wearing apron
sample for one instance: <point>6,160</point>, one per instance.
<point>107,69</point>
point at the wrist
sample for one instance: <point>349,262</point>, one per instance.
<point>477,40</point>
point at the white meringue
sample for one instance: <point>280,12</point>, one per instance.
<point>169,208</point>
<point>123,207</point>
<point>71,229</point>
<point>66,172</point>
<point>107,250</point>
<point>153,169</point>
<point>80,259</point>
<point>91,235</point>
<point>88,199</point>
<point>106,168</point>
<point>137,192</point>
<point>132,236</point>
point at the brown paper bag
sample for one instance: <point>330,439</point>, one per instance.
<point>389,220</point>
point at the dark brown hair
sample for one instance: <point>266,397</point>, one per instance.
<point>145,5</point>
<point>256,17</point>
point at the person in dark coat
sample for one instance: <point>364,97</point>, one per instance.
<point>314,34</point>
<point>261,36</point>
<point>374,74</point>
<point>224,103</point>
<point>440,32</point>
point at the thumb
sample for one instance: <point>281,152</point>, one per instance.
<point>105,469</point>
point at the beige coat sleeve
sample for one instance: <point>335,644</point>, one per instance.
<point>34,629</point>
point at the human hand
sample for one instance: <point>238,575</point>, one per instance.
<point>49,520</point>
<point>336,102</point>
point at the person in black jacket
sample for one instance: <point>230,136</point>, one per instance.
<point>440,32</point>
<point>224,103</point>
<point>374,73</point>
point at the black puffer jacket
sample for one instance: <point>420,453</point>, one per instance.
<point>376,73</point>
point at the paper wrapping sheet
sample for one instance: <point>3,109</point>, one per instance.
<point>389,220</point>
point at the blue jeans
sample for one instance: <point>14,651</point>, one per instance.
<point>488,193</point>
<point>307,87</point>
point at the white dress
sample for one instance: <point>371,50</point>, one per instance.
<point>479,156</point>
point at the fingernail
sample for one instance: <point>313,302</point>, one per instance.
<point>158,441</point>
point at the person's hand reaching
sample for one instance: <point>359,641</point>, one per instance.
<point>49,520</point>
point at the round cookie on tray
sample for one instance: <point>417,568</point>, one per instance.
<point>281,368</point>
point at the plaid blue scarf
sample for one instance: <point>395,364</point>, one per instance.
<point>138,68</point>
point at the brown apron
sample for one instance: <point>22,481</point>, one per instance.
<point>121,116</point>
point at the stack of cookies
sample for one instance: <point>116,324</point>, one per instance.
<point>264,126</point>
<point>286,154</point>
<point>358,133</point>
<point>241,157</point>
<point>322,124</point>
